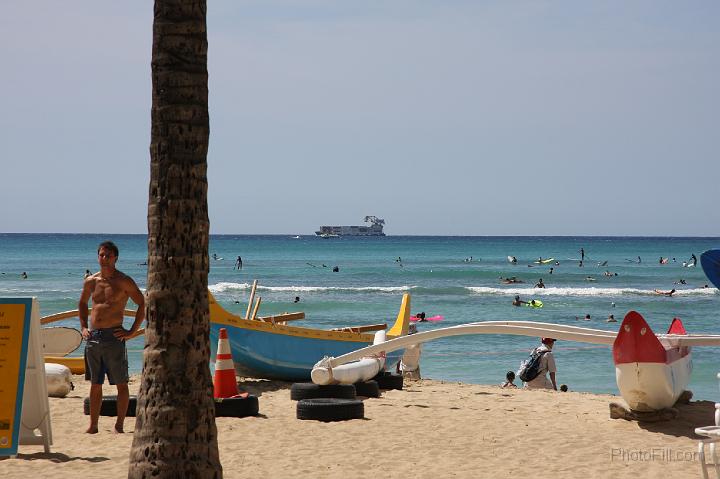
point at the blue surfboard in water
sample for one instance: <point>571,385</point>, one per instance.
<point>710,261</point>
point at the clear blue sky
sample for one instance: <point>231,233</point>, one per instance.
<point>443,117</point>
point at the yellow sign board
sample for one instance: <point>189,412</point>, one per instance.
<point>15,323</point>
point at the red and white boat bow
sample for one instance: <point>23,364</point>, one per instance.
<point>651,372</point>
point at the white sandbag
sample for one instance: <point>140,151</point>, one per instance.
<point>59,380</point>
<point>350,373</point>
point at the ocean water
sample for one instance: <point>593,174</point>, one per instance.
<point>456,277</point>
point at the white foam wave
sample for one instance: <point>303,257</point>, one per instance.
<point>226,287</point>
<point>223,287</point>
<point>586,291</point>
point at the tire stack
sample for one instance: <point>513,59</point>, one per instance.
<point>243,406</point>
<point>334,402</point>
<point>108,406</point>
<point>387,380</point>
<point>368,389</point>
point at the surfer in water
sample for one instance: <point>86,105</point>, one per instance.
<point>665,293</point>
<point>517,301</point>
<point>582,255</point>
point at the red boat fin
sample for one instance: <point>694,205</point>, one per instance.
<point>676,327</point>
<point>636,342</point>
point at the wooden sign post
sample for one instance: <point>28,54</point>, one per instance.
<point>24,406</point>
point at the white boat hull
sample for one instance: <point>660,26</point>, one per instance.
<point>653,386</point>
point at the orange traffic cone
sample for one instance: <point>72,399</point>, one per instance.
<point>224,381</point>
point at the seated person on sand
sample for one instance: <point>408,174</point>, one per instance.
<point>547,365</point>
<point>665,293</point>
<point>509,378</point>
<point>517,301</point>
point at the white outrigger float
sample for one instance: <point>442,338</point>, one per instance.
<point>652,370</point>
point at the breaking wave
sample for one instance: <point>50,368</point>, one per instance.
<point>586,291</point>
<point>227,287</point>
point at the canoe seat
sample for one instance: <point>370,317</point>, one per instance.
<point>361,329</point>
<point>281,318</point>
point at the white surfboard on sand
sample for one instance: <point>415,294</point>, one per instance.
<point>60,341</point>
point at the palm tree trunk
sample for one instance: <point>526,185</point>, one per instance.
<point>175,434</point>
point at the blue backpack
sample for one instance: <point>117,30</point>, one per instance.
<point>530,368</point>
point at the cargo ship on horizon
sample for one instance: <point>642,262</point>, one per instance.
<point>374,229</point>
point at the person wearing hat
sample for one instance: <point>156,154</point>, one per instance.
<point>547,365</point>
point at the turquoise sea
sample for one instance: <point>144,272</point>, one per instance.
<point>456,277</point>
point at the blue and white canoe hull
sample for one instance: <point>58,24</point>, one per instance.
<point>274,351</point>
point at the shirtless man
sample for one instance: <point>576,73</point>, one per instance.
<point>105,351</point>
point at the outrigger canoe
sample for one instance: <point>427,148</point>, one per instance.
<point>266,347</point>
<point>269,348</point>
<point>651,370</point>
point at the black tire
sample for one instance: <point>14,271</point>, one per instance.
<point>300,391</point>
<point>108,406</point>
<point>389,381</point>
<point>368,389</point>
<point>330,409</point>
<point>230,407</point>
<point>237,407</point>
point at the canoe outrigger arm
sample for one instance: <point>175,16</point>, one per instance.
<point>518,328</point>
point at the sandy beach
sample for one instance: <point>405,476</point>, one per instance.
<point>430,429</point>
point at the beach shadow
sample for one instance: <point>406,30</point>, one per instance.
<point>58,457</point>
<point>693,415</point>
<point>257,387</point>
